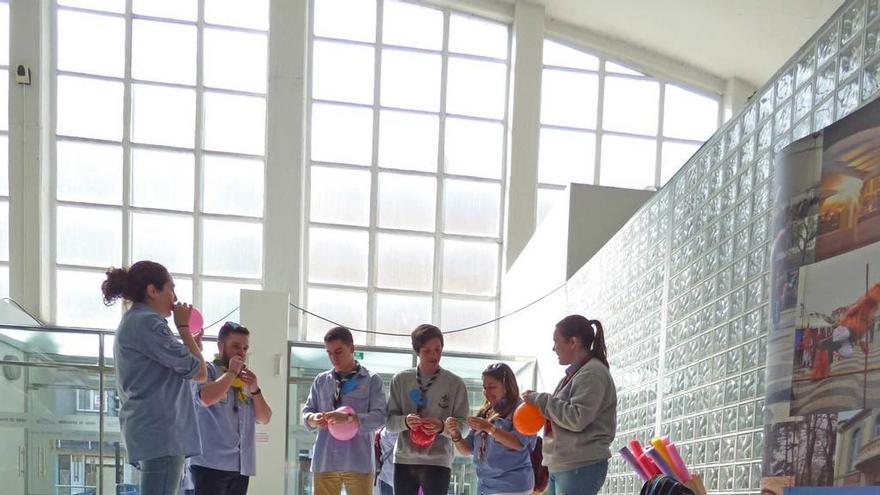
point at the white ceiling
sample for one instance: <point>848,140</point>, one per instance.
<point>748,39</point>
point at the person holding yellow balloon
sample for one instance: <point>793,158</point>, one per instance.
<point>501,454</point>
<point>581,413</point>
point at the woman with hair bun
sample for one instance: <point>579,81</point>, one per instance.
<point>153,371</point>
<point>581,413</point>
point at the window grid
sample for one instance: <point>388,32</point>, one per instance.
<point>198,150</point>
<point>373,229</point>
<point>598,132</point>
<point>4,153</point>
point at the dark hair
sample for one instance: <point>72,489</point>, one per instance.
<point>502,373</point>
<point>423,334</point>
<point>339,333</point>
<point>231,327</point>
<point>589,331</point>
<point>131,284</point>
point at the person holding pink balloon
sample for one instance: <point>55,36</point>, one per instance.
<point>581,413</point>
<point>421,399</point>
<point>346,405</point>
<point>153,371</point>
<point>501,455</point>
<point>228,407</point>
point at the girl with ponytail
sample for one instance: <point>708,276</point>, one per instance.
<point>153,374</point>
<point>581,413</point>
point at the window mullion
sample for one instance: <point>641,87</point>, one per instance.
<point>372,250</point>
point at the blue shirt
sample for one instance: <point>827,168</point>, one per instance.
<point>227,429</point>
<point>503,470</point>
<point>153,370</point>
<point>367,398</point>
<point>387,441</point>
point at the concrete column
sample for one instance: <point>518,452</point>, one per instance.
<point>525,117</point>
<point>286,145</point>
<point>30,157</point>
<point>266,315</point>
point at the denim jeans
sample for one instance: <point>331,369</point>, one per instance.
<point>162,475</point>
<point>385,488</point>
<point>586,480</point>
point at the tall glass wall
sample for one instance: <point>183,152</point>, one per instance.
<point>683,287</point>
<point>58,418</point>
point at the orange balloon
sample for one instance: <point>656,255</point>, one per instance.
<point>527,419</point>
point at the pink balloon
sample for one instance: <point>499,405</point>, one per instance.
<point>344,431</point>
<point>196,322</point>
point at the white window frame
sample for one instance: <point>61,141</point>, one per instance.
<point>601,73</point>
<point>127,209</point>
<point>438,236</point>
<point>4,198</point>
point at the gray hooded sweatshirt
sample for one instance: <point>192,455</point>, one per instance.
<point>584,419</point>
<point>446,397</point>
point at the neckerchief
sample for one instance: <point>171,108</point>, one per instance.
<point>344,383</point>
<point>548,426</point>
<point>490,416</point>
<point>237,384</point>
<point>423,389</point>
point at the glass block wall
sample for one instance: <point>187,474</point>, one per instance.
<point>683,287</point>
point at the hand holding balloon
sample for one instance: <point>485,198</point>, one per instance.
<point>527,419</point>
<point>343,424</point>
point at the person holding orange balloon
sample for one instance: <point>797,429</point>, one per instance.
<point>581,413</point>
<point>500,453</point>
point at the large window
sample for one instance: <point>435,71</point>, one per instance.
<point>4,148</point>
<point>407,140</point>
<point>160,153</point>
<point>602,123</point>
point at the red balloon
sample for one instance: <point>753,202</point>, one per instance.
<point>527,419</point>
<point>420,438</point>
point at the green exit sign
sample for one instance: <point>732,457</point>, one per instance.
<point>359,355</point>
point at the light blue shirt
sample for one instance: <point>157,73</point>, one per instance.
<point>153,370</point>
<point>227,430</point>
<point>367,398</point>
<point>503,470</point>
<point>387,441</point>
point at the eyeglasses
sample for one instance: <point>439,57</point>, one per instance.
<point>231,324</point>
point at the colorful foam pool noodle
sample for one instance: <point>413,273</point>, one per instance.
<point>678,463</point>
<point>649,465</point>
<point>658,460</point>
<point>633,463</point>
<point>636,448</point>
<point>660,447</point>
<point>666,442</point>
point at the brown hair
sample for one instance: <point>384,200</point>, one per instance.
<point>231,327</point>
<point>131,284</point>
<point>339,333</point>
<point>589,331</point>
<point>423,334</point>
<point>502,373</point>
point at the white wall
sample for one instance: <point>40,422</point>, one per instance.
<point>574,230</point>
